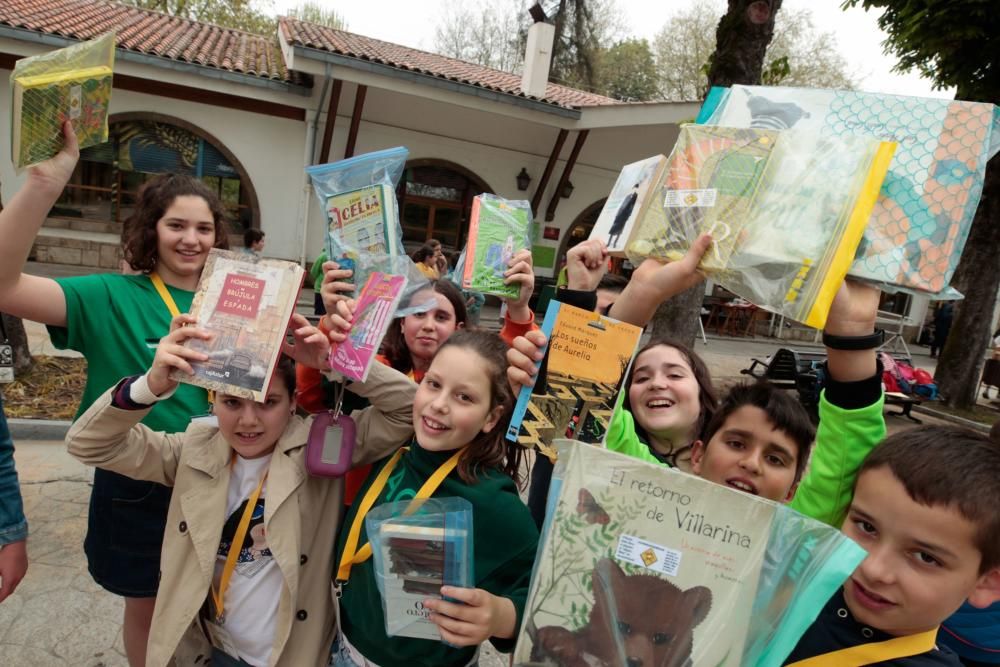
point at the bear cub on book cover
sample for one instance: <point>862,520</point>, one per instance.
<point>637,621</point>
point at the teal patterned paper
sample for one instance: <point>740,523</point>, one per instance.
<point>925,209</point>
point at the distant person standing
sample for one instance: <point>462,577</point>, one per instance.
<point>622,216</point>
<point>942,326</point>
<point>253,241</point>
<point>425,261</point>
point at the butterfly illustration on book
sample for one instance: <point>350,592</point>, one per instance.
<point>590,509</point>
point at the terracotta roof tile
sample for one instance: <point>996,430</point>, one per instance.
<point>154,34</point>
<point>300,33</point>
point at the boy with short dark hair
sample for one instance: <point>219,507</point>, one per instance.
<point>757,441</point>
<point>925,508</point>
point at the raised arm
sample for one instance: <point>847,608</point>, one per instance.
<point>33,297</point>
<point>388,423</point>
<point>652,283</point>
<point>109,436</point>
<point>851,418</point>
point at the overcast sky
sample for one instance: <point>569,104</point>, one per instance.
<point>411,22</point>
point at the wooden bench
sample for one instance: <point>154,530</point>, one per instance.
<point>905,403</point>
<point>799,370</point>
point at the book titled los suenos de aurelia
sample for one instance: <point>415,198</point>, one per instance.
<point>586,362</point>
<point>376,307</point>
<point>498,229</point>
<point>362,221</point>
<point>71,84</point>
<point>416,551</point>
<point>246,303</point>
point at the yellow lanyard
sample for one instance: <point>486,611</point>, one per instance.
<point>234,550</point>
<point>164,294</point>
<point>874,652</point>
<point>352,555</point>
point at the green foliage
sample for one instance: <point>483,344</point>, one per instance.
<point>314,12</point>
<point>799,54</point>
<point>246,15</point>
<point>952,42</point>
<point>583,28</point>
<point>627,71</point>
<point>568,560</point>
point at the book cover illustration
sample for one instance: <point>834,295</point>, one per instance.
<point>920,223</point>
<point>640,565</point>
<point>586,363</point>
<point>626,203</point>
<point>376,307</point>
<point>786,211</point>
<point>71,84</point>
<point>362,221</point>
<point>246,303</point>
<point>417,553</point>
<point>498,228</point>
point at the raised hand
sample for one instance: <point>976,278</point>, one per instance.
<point>653,282</point>
<point>586,264</point>
<point>171,354</point>
<point>310,347</point>
<point>522,356</point>
<point>334,287</point>
<point>54,173</point>
<point>520,272</point>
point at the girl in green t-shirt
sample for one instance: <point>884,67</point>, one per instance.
<point>115,321</point>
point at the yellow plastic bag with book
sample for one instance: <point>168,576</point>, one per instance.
<point>71,84</point>
<point>786,210</point>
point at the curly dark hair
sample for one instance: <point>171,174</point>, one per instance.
<point>154,198</point>
<point>490,450</point>
<point>394,345</point>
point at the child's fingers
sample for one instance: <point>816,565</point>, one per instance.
<point>455,639</point>
<point>181,320</point>
<point>697,250</point>
<point>475,598</point>
<point>298,321</point>
<point>527,346</point>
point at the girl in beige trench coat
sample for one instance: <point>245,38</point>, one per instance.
<point>301,513</point>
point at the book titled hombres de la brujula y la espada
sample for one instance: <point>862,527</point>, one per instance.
<point>246,303</point>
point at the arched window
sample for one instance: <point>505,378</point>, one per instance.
<point>107,178</point>
<point>435,202</point>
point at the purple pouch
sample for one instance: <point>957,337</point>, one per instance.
<point>331,445</point>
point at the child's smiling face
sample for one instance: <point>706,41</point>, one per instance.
<point>922,560</point>
<point>750,454</point>
<point>453,403</point>
<point>253,429</point>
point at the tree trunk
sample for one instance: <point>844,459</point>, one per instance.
<point>741,41</point>
<point>978,278</point>
<point>19,341</point>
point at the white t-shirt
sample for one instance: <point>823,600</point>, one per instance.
<point>251,601</point>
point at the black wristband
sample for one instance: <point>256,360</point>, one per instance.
<point>854,343</point>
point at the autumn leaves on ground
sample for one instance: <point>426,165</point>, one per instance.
<point>50,390</point>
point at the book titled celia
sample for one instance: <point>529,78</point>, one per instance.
<point>246,303</point>
<point>640,565</point>
<point>376,307</point>
<point>362,221</point>
<point>586,363</point>
<point>498,229</point>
